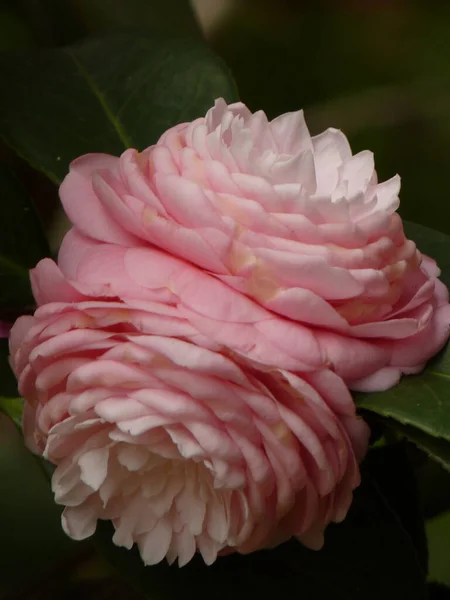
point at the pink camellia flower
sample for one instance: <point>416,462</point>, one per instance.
<point>295,222</point>
<point>185,445</point>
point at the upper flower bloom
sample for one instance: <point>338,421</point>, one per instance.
<point>295,222</point>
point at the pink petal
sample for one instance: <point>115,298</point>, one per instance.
<point>82,205</point>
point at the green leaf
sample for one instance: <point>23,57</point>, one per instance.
<point>422,401</point>
<point>13,408</point>
<point>438,531</point>
<point>433,480</point>
<point>22,245</point>
<point>371,555</point>
<point>105,95</point>
<point>437,448</point>
<point>33,541</point>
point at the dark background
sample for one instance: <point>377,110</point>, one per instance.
<point>378,69</point>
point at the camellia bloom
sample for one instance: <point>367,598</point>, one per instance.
<point>295,222</point>
<point>183,444</point>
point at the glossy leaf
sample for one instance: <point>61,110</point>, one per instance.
<point>436,447</point>
<point>105,95</point>
<point>421,401</point>
<point>433,480</point>
<point>438,530</point>
<point>371,555</point>
<point>33,542</point>
<point>13,408</point>
<point>22,245</point>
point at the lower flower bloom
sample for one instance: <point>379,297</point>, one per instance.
<point>184,447</point>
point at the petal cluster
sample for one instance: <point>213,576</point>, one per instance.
<point>184,447</point>
<point>295,222</point>
<point>237,323</point>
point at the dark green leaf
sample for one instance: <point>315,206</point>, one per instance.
<point>22,245</point>
<point>370,556</point>
<point>13,408</point>
<point>105,95</point>
<point>422,401</point>
<point>436,447</point>
<point>438,531</point>
<point>434,484</point>
<point>32,538</point>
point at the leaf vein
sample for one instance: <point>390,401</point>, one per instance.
<point>437,374</point>
<point>126,141</point>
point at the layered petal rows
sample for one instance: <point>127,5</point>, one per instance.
<point>295,222</point>
<point>234,321</point>
<point>182,445</point>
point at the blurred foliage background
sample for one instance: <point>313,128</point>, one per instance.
<point>378,69</point>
